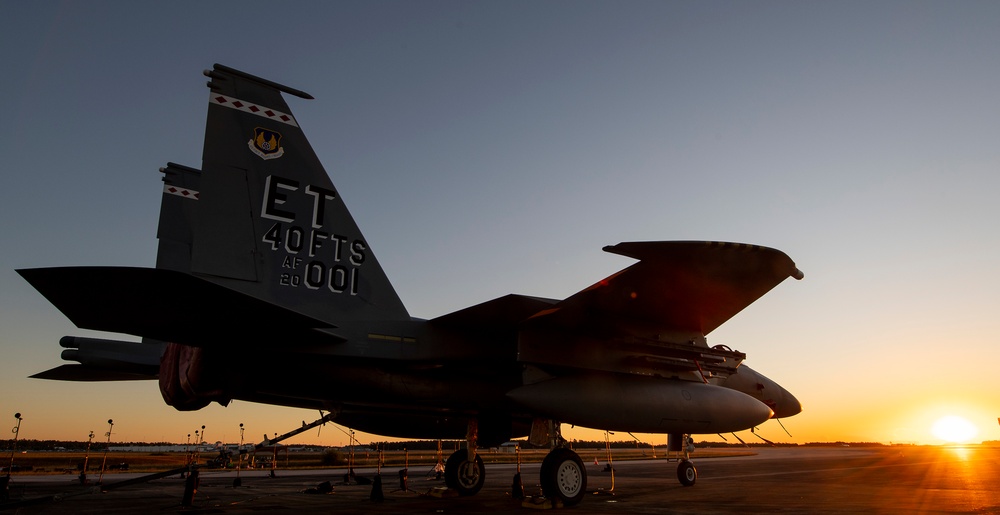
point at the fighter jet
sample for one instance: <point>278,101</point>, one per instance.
<point>259,254</point>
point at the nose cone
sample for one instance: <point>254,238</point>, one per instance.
<point>787,405</point>
<point>760,387</point>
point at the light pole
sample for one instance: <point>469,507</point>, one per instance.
<point>192,481</point>
<point>187,454</point>
<point>86,460</point>
<point>274,455</point>
<point>350,466</point>
<point>239,464</point>
<point>203,439</point>
<point>5,480</point>
<point>111,424</point>
<point>16,429</point>
<point>350,453</point>
<point>197,444</point>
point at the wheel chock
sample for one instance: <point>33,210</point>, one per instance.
<point>516,487</point>
<point>541,503</point>
<point>442,492</point>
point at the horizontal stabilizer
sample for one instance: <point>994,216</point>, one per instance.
<point>172,306</point>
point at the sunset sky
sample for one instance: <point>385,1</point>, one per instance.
<point>488,148</point>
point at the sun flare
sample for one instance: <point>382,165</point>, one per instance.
<point>954,429</point>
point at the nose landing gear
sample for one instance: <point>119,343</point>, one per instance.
<point>683,445</point>
<point>686,472</point>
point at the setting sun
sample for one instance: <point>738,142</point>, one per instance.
<point>954,429</point>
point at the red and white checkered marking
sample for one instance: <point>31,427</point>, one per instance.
<point>181,192</point>
<point>247,107</point>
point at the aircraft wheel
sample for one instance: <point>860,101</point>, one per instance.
<point>563,476</point>
<point>463,476</point>
<point>686,473</point>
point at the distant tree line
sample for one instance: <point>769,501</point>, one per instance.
<point>56,445</point>
<point>432,445</point>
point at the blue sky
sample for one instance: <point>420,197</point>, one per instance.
<point>494,147</point>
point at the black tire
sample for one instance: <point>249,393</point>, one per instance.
<point>462,476</point>
<point>563,476</point>
<point>686,473</point>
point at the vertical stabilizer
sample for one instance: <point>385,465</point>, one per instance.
<point>262,215</point>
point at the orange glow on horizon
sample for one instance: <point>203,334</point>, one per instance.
<point>954,429</point>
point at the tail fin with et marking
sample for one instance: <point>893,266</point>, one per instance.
<point>263,217</point>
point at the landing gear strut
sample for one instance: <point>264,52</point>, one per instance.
<point>563,477</point>
<point>464,476</point>
<point>464,471</point>
<point>681,443</point>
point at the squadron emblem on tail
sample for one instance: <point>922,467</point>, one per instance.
<point>266,144</point>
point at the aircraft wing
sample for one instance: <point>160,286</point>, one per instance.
<point>677,287</point>
<point>499,314</point>
<point>172,306</point>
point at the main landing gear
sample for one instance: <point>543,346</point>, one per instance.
<point>464,472</point>
<point>463,475</point>
<point>563,476</point>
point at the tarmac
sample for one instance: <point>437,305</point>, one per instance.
<point>775,480</point>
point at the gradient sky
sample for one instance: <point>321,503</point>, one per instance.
<point>488,148</point>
